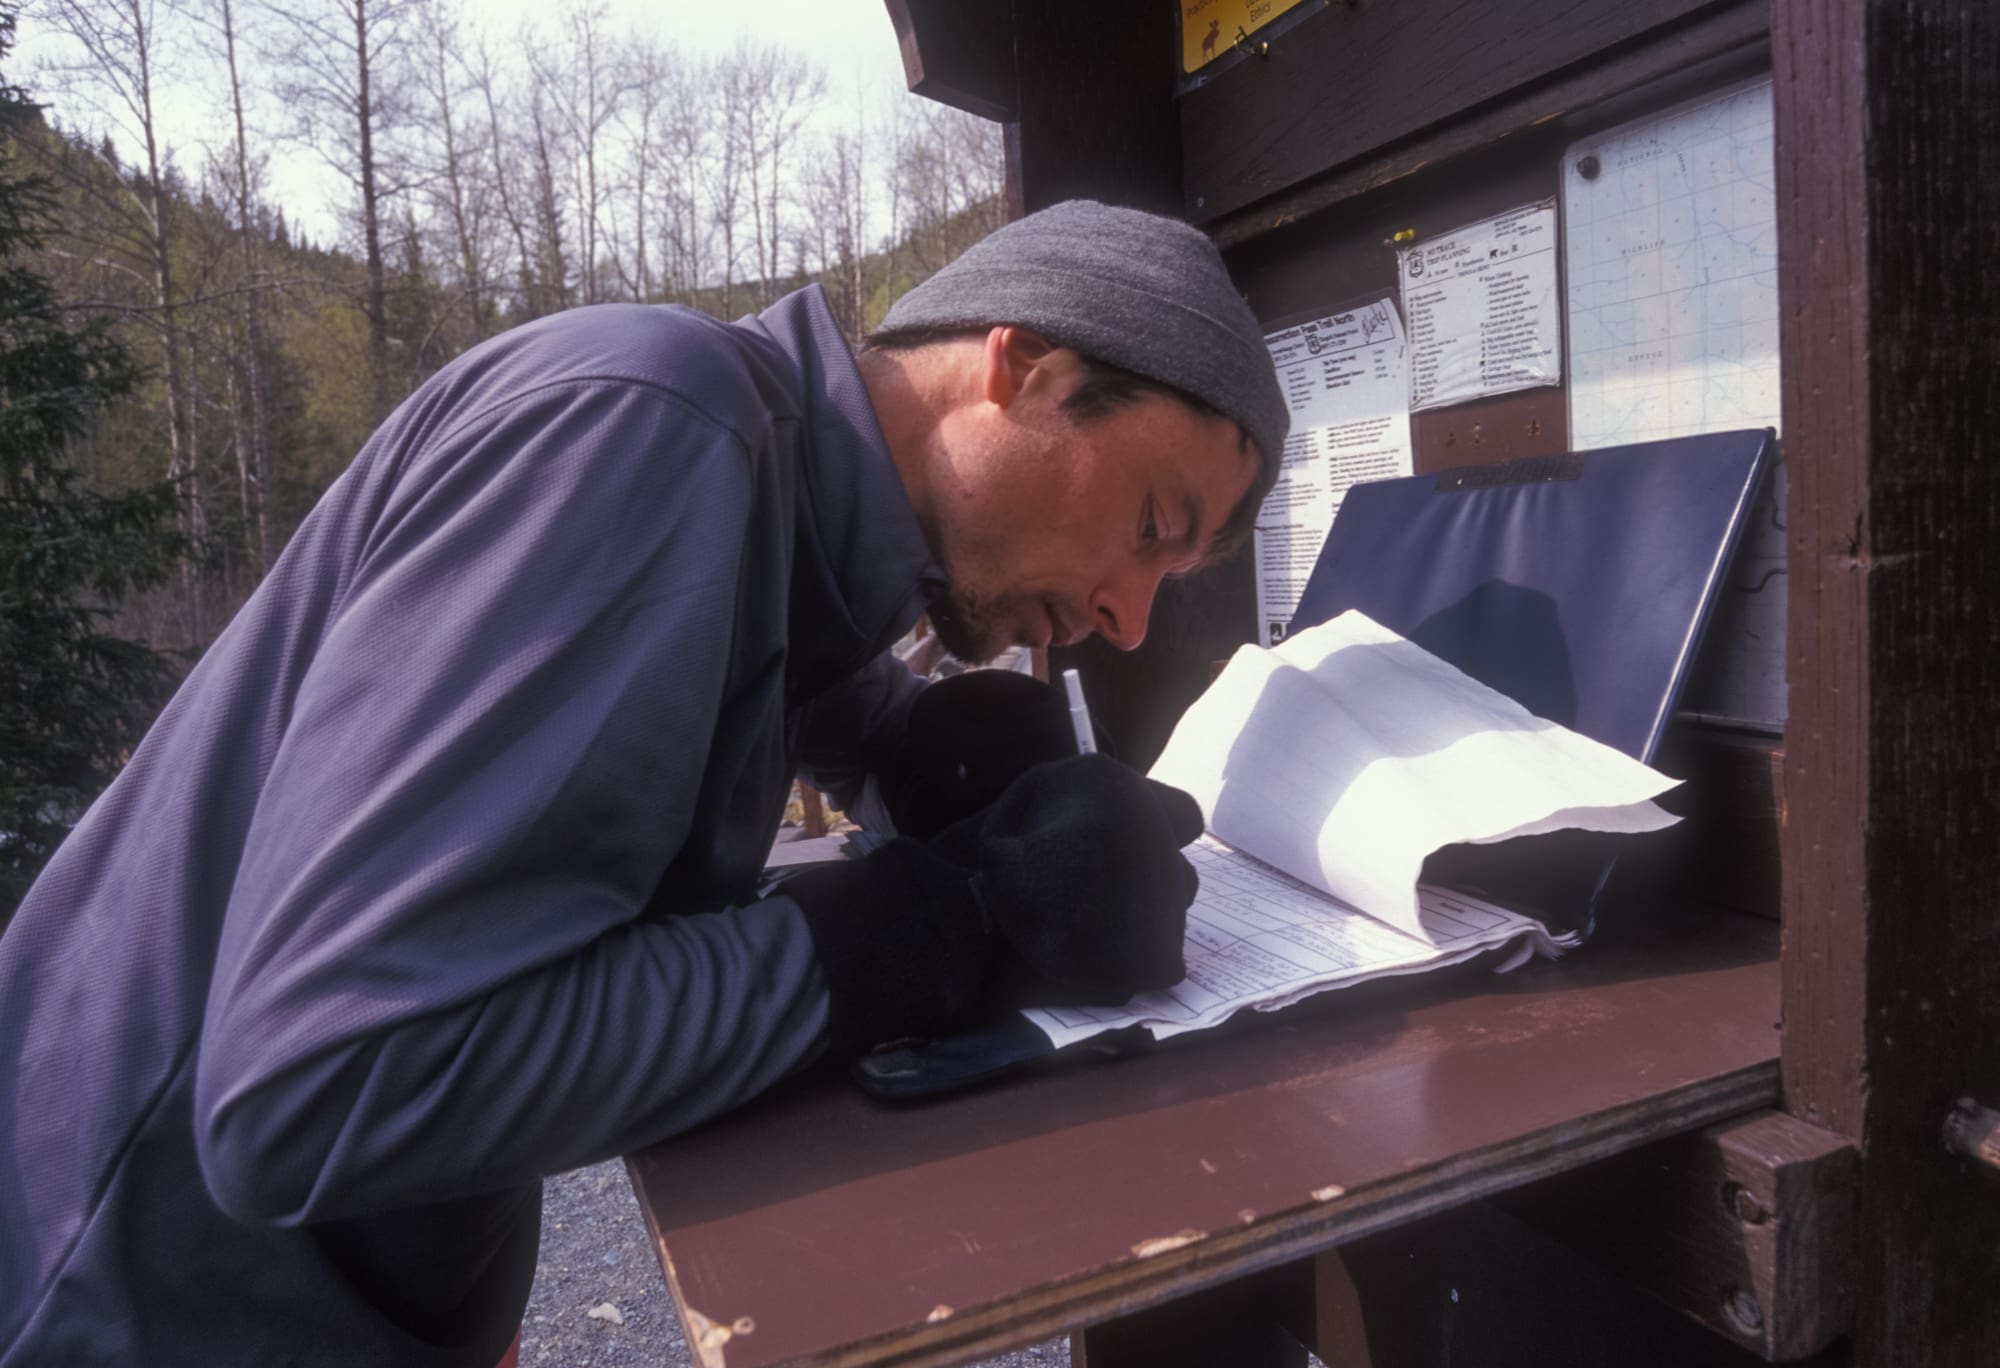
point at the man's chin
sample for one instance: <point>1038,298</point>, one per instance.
<point>970,636</point>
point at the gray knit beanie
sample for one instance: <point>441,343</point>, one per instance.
<point>1139,291</point>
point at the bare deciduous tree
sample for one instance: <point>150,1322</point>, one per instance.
<point>117,76</point>
<point>837,215</point>
<point>586,88</point>
<point>769,94</point>
<point>688,143</point>
<point>458,195</point>
<point>345,73</point>
<point>249,408</point>
<point>949,170</point>
<point>651,71</point>
<point>549,154</point>
<point>502,166</point>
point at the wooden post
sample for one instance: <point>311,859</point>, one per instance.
<point>814,809</point>
<point>1888,192</point>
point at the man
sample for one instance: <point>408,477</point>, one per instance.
<point>438,874</point>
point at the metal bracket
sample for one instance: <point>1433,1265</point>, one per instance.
<point>1973,1132</point>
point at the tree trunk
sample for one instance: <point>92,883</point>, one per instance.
<point>469,264</point>
<point>181,462</point>
<point>515,221</point>
<point>255,462</point>
<point>371,219</point>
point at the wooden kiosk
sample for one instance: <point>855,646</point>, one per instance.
<point>1749,1121</point>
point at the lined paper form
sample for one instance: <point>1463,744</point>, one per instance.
<point>1328,769</point>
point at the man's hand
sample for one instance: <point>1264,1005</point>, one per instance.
<point>1078,867</point>
<point>1073,878</point>
<point>968,738</point>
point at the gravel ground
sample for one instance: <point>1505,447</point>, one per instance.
<point>599,1299</point>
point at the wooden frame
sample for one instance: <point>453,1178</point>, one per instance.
<point>1889,192</point>
<point>1888,818</point>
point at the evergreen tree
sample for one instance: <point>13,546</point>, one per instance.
<point>73,698</point>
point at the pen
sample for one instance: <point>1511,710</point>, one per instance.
<point>1079,714</point>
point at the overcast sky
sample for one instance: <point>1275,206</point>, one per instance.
<point>852,38</point>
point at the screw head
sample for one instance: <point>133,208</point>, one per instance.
<point>1588,166</point>
<point>1741,1307</point>
<point>1743,1204</point>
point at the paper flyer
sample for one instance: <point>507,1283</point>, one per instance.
<point>1346,380</point>
<point>1482,306</point>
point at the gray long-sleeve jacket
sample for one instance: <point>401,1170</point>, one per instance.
<point>437,875</point>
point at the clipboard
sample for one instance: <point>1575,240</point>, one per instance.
<point>1579,584</point>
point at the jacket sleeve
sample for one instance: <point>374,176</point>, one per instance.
<point>432,979</point>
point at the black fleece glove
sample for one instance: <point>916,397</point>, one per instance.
<point>1073,879</point>
<point>968,738</point>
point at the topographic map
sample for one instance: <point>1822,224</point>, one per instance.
<point>1671,254</point>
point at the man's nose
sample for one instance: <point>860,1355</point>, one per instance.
<point>1121,607</point>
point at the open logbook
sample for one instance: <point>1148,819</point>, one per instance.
<point>1328,768</point>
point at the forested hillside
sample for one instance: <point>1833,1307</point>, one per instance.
<point>490,178</point>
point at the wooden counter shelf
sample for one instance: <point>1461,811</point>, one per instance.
<point>819,1226</point>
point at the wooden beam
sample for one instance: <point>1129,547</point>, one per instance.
<point>1709,48</point>
<point>1356,78</point>
<point>1821,177</point>
<point>1888,190</point>
<point>1095,110</point>
<point>959,52</point>
<point>1746,1227</point>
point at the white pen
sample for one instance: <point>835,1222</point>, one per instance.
<point>1079,714</point>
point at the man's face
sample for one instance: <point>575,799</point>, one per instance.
<point>1049,529</point>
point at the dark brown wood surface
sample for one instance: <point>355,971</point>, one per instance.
<point>959,52</point>
<point>1746,1227</point>
<point>1726,850</point>
<point>1888,134</point>
<point>1479,1287</point>
<point>1715,46</point>
<point>1357,77</point>
<point>820,1226</point>
<point>1094,112</point>
<point>1822,254</point>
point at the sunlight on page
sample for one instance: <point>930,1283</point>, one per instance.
<point>1334,765</point>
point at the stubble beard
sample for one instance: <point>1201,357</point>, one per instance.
<point>971,628</point>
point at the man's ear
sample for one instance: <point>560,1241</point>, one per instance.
<point>1011,357</point>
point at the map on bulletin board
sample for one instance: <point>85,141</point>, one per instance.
<point>1209,27</point>
<point>1671,256</point>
